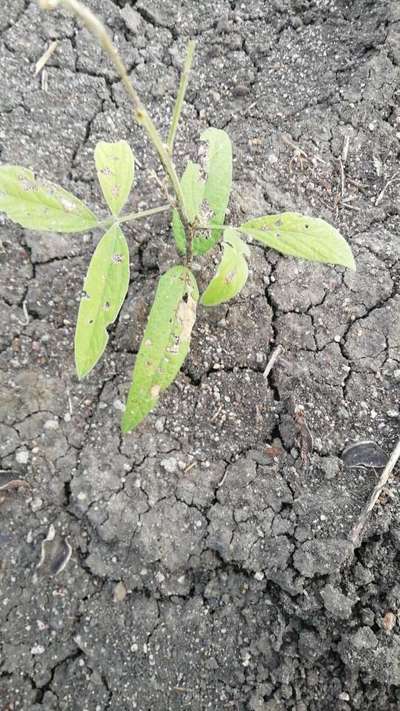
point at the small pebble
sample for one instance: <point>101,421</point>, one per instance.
<point>22,456</point>
<point>119,592</point>
<point>119,405</point>
<point>389,621</point>
<point>37,649</point>
<point>169,465</point>
<point>51,425</point>
<point>36,504</point>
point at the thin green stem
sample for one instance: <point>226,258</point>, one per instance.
<point>215,227</point>
<point>94,26</point>
<point>181,94</point>
<point>132,216</point>
<point>189,245</point>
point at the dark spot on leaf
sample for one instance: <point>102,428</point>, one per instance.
<point>90,322</point>
<point>107,305</point>
<point>185,297</point>
<point>306,226</point>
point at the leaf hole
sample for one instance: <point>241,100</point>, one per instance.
<point>85,295</point>
<point>67,205</point>
<point>117,258</point>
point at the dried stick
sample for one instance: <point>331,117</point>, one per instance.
<point>356,532</point>
<point>274,357</point>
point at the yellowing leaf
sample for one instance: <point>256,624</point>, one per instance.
<point>115,165</point>
<point>105,288</point>
<point>39,205</point>
<point>165,343</point>
<point>301,236</point>
<point>232,272</point>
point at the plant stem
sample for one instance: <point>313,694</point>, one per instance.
<point>96,27</point>
<point>132,216</point>
<point>189,245</point>
<point>181,95</point>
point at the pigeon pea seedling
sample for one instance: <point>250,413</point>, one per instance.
<point>199,204</point>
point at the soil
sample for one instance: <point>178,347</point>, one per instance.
<point>206,574</point>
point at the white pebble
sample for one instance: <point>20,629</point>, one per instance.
<point>51,425</point>
<point>37,649</point>
<point>22,456</point>
<point>169,464</point>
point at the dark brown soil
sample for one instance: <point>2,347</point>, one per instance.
<point>204,573</point>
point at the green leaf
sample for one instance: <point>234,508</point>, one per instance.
<point>39,205</point>
<point>218,185</point>
<point>165,343</point>
<point>193,190</point>
<point>105,288</point>
<point>115,165</point>
<point>301,236</point>
<point>178,231</point>
<point>232,272</point>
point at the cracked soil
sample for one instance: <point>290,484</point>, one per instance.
<point>206,574</point>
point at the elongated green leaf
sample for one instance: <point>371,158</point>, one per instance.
<point>218,185</point>
<point>232,272</point>
<point>178,231</point>
<point>105,288</point>
<point>39,205</point>
<point>115,165</point>
<point>165,343</point>
<point>193,190</point>
<point>301,236</point>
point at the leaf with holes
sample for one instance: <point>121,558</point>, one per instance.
<point>193,190</point>
<point>105,288</point>
<point>39,205</point>
<point>300,236</point>
<point>165,343</point>
<point>218,184</point>
<point>115,165</point>
<point>232,272</point>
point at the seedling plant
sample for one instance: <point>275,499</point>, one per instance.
<point>200,201</point>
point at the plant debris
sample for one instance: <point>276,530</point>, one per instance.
<point>365,453</point>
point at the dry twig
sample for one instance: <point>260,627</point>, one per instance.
<point>274,357</point>
<point>357,530</point>
<point>45,57</point>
